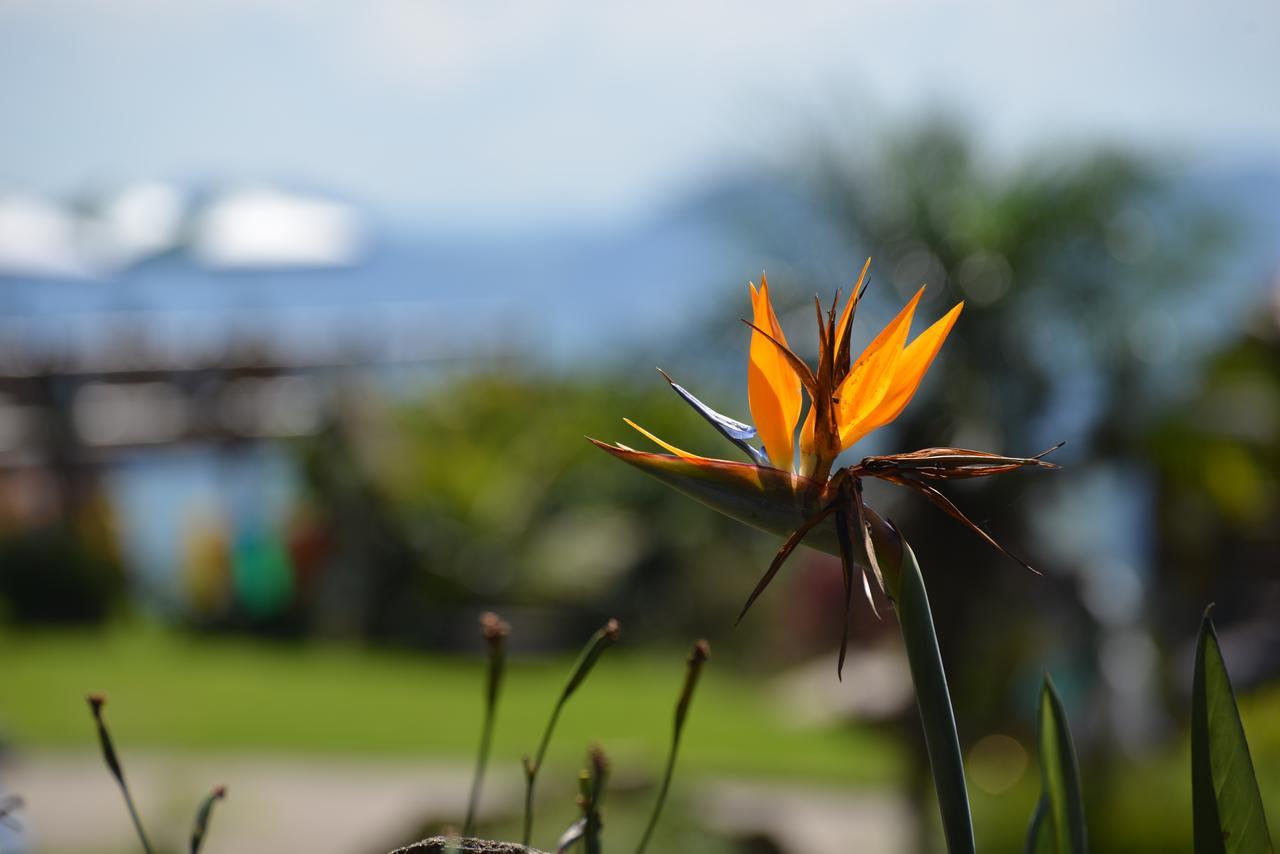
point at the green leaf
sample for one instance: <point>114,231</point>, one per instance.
<point>1226,805</point>
<point>1059,825</point>
<point>934,702</point>
<point>1039,834</point>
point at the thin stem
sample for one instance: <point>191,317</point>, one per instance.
<point>494,631</point>
<point>662,794</point>
<point>137,820</point>
<point>697,657</point>
<point>482,760</point>
<point>594,794</point>
<point>96,702</point>
<point>531,771</point>
<point>604,638</point>
<point>203,814</point>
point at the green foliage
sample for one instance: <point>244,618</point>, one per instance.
<point>59,573</point>
<point>487,480</point>
<point>1227,806</point>
<point>1057,827</point>
<point>1040,832</point>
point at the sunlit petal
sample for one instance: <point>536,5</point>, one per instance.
<point>872,375</point>
<point>652,438</point>
<point>807,450</point>
<point>911,368</point>
<point>773,387</point>
<point>847,316</point>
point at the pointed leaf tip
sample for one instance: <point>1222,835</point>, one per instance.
<point>1059,775</point>
<point>1227,811</point>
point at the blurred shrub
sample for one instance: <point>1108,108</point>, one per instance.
<point>485,490</point>
<point>54,574</point>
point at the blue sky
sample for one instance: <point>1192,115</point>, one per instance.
<point>479,113</point>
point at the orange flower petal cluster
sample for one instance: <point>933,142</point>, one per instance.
<point>788,487</point>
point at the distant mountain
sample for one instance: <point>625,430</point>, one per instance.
<point>558,296</point>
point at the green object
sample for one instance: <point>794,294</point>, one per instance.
<point>318,699</point>
<point>1058,824</point>
<point>494,630</point>
<point>200,827</point>
<point>934,702</point>
<point>1226,805</point>
<point>109,755</point>
<point>1039,835</point>
<point>262,574</point>
<point>604,638</point>
<point>592,790</point>
<point>697,658</point>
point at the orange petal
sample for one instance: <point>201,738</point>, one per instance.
<point>865,387</point>
<point>912,366</point>
<point>806,438</point>
<point>849,306</point>
<point>773,387</point>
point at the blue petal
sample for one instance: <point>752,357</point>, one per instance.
<point>735,431</point>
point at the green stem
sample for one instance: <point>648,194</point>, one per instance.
<point>604,638</point>
<point>531,771</point>
<point>697,658</point>
<point>934,702</point>
<point>662,796</point>
<point>473,801</point>
<point>137,820</point>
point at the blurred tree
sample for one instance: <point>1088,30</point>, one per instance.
<point>1218,508</point>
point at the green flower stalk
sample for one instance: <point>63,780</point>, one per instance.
<point>494,630</point>
<point>96,702</point>
<point>204,813</point>
<point>604,638</point>
<point>591,795</point>
<point>697,658</point>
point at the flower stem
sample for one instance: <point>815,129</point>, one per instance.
<point>697,657</point>
<point>96,702</point>
<point>600,641</point>
<point>934,702</point>
<point>495,632</point>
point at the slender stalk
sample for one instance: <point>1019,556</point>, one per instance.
<point>600,641</point>
<point>697,657</point>
<point>96,702</point>
<point>593,794</point>
<point>934,702</point>
<point>200,828</point>
<point>495,632</point>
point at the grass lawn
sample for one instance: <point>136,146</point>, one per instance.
<point>179,691</point>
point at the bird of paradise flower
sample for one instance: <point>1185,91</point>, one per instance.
<point>788,487</point>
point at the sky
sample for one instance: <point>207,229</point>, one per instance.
<point>476,114</point>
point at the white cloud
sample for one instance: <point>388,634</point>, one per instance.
<point>257,228</point>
